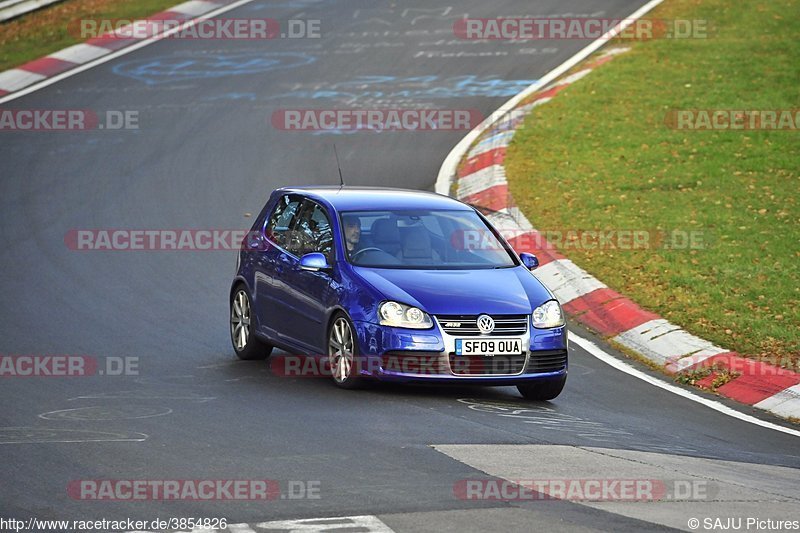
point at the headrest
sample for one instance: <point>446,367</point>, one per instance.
<point>417,244</point>
<point>385,230</point>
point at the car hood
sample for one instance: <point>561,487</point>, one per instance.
<point>460,292</point>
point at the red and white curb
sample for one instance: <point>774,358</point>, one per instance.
<point>74,56</point>
<point>479,178</point>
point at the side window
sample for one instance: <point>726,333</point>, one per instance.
<point>323,238</point>
<point>313,232</point>
<point>281,220</point>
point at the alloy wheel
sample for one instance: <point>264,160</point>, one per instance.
<point>240,320</point>
<point>341,349</point>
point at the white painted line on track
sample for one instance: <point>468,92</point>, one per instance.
<point>622,366</point>
<point>365,523</point>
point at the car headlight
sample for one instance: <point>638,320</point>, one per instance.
<point>548,315</point>
<point>403,316</point>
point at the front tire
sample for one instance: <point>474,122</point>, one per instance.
<point>247,346</point>
<point>543,390</point>
<point>343,353</point>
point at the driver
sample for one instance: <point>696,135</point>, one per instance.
<point>352,234</point>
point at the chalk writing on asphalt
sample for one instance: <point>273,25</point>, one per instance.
<point>183,67</point>
<point>363,89</point>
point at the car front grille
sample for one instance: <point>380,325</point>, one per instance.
<point>543,361</point>
<point>481,365</point>
<point>467,325</point>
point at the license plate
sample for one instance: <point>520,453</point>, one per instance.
<point>489,347</point>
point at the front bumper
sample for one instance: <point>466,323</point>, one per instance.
<point>403,355</point>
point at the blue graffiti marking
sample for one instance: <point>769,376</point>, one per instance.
<point>365,90</point>
<point>166,69</point>
<point>419,87</point>
<point>251,97</point>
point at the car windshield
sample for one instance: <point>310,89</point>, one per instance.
<point>422,239</point>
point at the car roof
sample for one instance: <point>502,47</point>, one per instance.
<point>376,198</point>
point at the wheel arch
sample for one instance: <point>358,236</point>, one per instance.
<point>239,281</point>
<point>332,313</point>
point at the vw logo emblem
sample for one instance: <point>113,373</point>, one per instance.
<point>485,324</point>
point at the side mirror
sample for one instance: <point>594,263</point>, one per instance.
<point>530,261</point>
<point>313,262</point>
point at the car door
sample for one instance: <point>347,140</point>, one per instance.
<point>272,264</point>
<point>310,293</point>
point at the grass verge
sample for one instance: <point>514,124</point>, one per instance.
<point>45,31</point>
<point>601,156</point>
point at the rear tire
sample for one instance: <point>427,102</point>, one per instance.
<point>542,391</point>
<point>248,347</point>
<point>343,353</point>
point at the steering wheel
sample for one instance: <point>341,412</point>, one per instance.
<point>367,249</point>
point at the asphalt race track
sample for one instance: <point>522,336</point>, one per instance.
<point>206,155</point>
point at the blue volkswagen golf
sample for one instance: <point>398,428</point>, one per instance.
<point>395,285</point>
